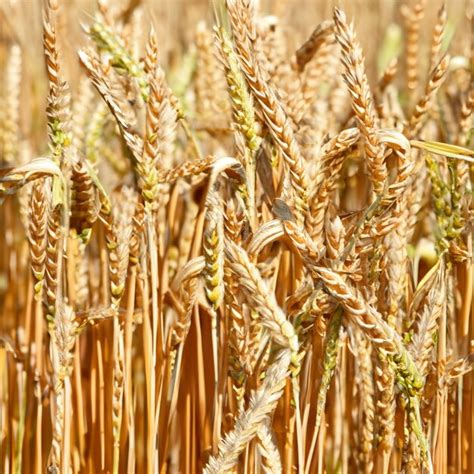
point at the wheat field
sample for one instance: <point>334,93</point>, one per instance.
<point>236,236</point>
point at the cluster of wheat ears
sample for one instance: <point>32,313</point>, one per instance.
<point>251,261</point>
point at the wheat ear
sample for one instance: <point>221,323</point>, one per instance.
<point>362,101</point>
<point>241,14</point>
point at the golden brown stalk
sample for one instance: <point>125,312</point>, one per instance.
<point>393,267</point>
<point>117,234</point>
<point>118,388</point>
<point>213,249</point>
<point>367,409</point>
<point>457,368</point>
<point>240,343</point>
<point>183,289</point>
<point>62,343</point>
<point>362,102</point>
<point>330,359</point>
<point>158,144</point>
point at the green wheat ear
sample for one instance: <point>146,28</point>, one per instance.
<point>331,349</point>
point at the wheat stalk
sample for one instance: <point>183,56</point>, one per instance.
<point>248,238</point>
